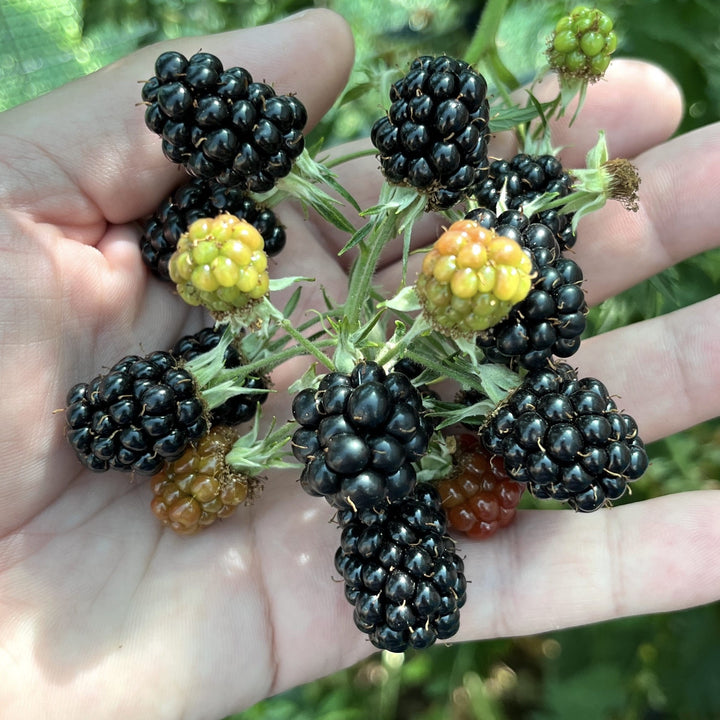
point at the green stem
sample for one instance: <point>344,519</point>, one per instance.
<point>396,212</point>
<point>419,326</point>
<point>483,39</point>
<point>286,325</point>
<point>267,363</point>
<point>334,162</point>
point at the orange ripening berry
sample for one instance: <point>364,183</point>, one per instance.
<point>198,488</point>
<point>478,495</point>
<point>471,279</point>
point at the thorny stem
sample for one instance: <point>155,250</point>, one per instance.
<point>310,347</point>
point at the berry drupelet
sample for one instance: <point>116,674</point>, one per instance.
<point>434,136</point>
<point>566,439</point>
<point>525,178</point>
<point>551,318</point>
<point>198,199</point>
<point>219,124</point>
<point>401,572</point>
<point>478,495</point>
<point>239,408</point>
<point>143,412</point>
<point>359,436</point>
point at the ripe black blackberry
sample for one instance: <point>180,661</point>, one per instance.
<point>565,437</point>
<point>551,319</point>
<point>359,436</point>
<point>142,412</point>
<point>401,572</point>
<point>239,408</point>
<point>521,180</point>
<point>434,136</point>
<point>220,124</point>
<point>197,199</point>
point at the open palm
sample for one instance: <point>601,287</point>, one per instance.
<point>102,611</point>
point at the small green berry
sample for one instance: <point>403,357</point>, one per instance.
<point>582,44</point>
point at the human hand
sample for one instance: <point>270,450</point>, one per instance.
<point>105,612</point>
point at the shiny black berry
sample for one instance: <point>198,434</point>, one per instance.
<point>401,572</point>
<point>435,133</point>
<point>565,437</point>
<point>140,414</point>
<point>516,182</point>
<point>219,124</point>
<point>359,435</point>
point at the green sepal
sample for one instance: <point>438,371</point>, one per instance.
<point>452,413</point>
<point>600,180</point>
<point>303,183</point>
<point>405,300</point>
<point>438,462</point>
<point>277,284</point>
<point>252,455</point>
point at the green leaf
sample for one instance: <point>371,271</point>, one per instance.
<point>357,237</point>
<point>277,284</point>
<point>507,118</point>
<point>406,300</point>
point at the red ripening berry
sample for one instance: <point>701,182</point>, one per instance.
<point>478,495</point>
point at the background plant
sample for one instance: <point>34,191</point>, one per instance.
<point>662,666</point>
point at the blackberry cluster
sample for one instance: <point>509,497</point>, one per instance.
<point>239,408</point>
<point>197,199</point>
<point>434,136</point>
<point>552,317</point>
<point>142,413</point>
<point>566,439</point>
<point>401,572</point>
<point>525,178</point>
<point>221,125</point>
<point>359,435</point>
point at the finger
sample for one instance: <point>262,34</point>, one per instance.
<point>606,107</point>
<point>617,249</point>
<point>556,569</point>
<point>98,135</point>
<point>664,371</point>
<point>612,104</point>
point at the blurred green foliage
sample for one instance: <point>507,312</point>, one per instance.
<point>647,668</point>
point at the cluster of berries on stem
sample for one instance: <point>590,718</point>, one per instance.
<point>497,307</point>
